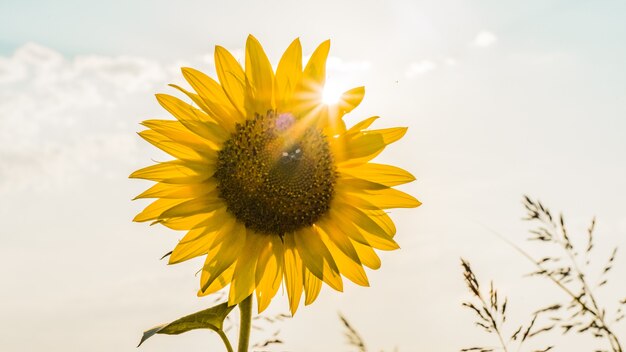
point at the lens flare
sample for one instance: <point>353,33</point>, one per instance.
<point>331,93</point>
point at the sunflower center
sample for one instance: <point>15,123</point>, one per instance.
<point>274,176</point>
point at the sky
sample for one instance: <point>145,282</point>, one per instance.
<point>501,99</point>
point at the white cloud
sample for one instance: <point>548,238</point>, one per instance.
<point>543,58</point>
<point>61,118</point>
<point>419,68</point>
<point>450,61</point>
<point>484,39</point>
<point>337,64</point>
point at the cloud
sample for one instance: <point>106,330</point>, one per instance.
<point>61,118</point>
<point>450,61</point>
<point>419,68</point>
<point>338,65</point>
<point>484,39</point>
<point>543,58</point>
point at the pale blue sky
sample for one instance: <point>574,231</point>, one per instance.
<point>501,98</point>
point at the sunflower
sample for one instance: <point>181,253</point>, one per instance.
<point>268,182</point>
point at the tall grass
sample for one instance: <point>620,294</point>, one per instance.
<point>569,268</point>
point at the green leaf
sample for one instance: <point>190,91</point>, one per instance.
<point>212,318</point>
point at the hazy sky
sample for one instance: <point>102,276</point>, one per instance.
<point>501,98</point>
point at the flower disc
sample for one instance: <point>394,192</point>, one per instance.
<point>272,181</point>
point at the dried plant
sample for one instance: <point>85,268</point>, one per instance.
<point>261,323</point>
<point>491,316</point>
<point>585,314</point>
<point>569,270</point>
<point>354,338</point>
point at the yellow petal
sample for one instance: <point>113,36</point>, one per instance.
<point>260,76</point>
<point>336,235</point>
<point>354,200</point>
<point>177,132</point>
<point>315,69</point>
<point>225,236</point>
<point>378,236</point>
<point>219,220</point>
<point>193,119</point>
<point>350,150</point>
<point>347,266</point>
<point>372,196</point>
<point>366,145</point>
<point>200,240</point>
<point>166,190</point>
<point>156,208</point>
<point>383,220</point>
<point>288,74</point>
<point>186,223</point>
<point>187,249</point>
<point>350,100</point>
<point>197,100</point>
<point>343,221</point>
<point>317,258</point>
<point>292,272</point>
<point>312,286</point>
<point>243,282</point>
<point>334,124</point>
<point>201,205</point>
<point>379,173</point>
<point>308,94</point>
<point>389,135</point>
<point>269,272</point>
<point>353,184</point>
<point>222,256</point>
<point>368,257</point>
<point>231,77</point>
<point>390,198</point>
<point>219,283</point>
<point>214,97</point>
<point>358,127</point>
<point>175,172</point>
<point>175,149</point>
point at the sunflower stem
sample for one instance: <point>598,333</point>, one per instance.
<point>229,348</point>
<point>245,308</point>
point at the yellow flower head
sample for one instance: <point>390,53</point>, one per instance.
<point>268,182</point>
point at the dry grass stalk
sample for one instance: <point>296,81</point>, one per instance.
<point>261,323</point>
<point>491,316</point>
<point>354,338</point>
<point>583,312</point>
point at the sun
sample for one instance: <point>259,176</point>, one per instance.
<point>332,93</point>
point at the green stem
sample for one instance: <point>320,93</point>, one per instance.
<point>229,348</point>
<point>245,308</point>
